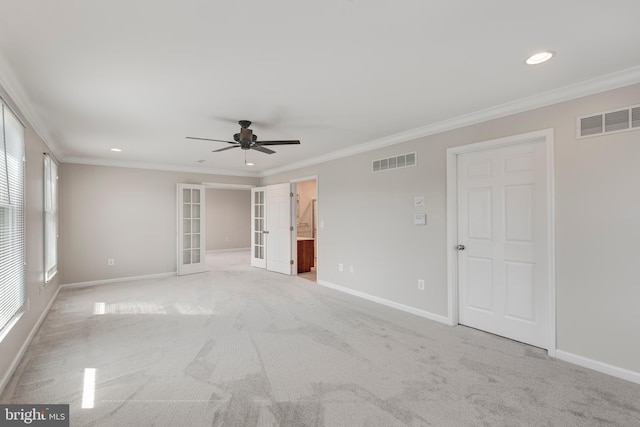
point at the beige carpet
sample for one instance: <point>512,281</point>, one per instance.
<point>243,347</point>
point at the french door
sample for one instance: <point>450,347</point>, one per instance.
<point>278,228</point>
<point>271,228</point>
<point>258,235</point>
<point>191,229</point>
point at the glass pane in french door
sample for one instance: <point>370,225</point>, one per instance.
<point>191,228</point>
<point>259,225</point>
<point>258,238</point>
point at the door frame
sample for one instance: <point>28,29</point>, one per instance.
<point>452,221</point>
<point>294,211</point>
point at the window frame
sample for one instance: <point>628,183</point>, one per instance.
<point>50,217</point>
<point>12,219</point>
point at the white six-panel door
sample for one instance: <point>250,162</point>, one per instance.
<point>191,229</point>
<point>502,224</point>
<point>278,227</point>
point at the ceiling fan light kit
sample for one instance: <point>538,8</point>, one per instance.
<point>247,140</point>
<point>245,160</point>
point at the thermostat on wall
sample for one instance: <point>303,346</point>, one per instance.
<point>420,219</point>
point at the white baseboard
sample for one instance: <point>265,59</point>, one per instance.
<point>213,251</point>
<point>605,368</point>
<point>16,360</point>
<point>119,279</point>
<point>595,365</point>
<point>392,304</point>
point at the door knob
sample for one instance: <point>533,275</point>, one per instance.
<point>460,247</point>
<point>265,232</point>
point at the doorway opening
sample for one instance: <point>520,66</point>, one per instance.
<point>305,218</point>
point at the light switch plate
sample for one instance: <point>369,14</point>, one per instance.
<point>419,201</point>
<point>420,219</point>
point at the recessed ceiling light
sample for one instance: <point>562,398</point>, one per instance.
<point>539,57</point>
<point>117,150</point>
<point>249,163</point>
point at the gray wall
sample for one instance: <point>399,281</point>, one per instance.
<point>129,215</point>
<point>228,219</point>
<point>125,214</point>
<point>368,224</point>
<point>37,295</point>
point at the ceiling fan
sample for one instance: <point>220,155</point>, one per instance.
<point>247,140</point>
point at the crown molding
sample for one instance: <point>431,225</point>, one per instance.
<point>11,84</point>
<point>222,186</point>
<point>155,166</point>
<point>611,81</point>
<point>14,89</point>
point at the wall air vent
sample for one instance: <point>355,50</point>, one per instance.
<point>614,121</point>
<point>395,162</point>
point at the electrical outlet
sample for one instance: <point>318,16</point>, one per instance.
<point>421,284</point>
<point>111,261</point>
<point>340,267</point>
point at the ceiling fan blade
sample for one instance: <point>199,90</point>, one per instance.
<point>262,149</point>
<point>208,139</point>
<point>278,142</point>
<point>225,148</point>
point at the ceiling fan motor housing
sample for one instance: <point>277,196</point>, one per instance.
<point>236,137</point>
<point>246,138</point>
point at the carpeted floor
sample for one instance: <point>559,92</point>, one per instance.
<point>239,346</point>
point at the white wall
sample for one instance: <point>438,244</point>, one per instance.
<point>37,295</point>
<point>125,214</point>
<point>368,224</point>
<point>228,223</point>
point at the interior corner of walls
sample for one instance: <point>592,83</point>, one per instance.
<point>118,280</point>
<point>4,381</point>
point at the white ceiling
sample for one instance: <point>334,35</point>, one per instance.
<point>340,75</point>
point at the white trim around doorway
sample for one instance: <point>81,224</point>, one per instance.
<point>452,222</point>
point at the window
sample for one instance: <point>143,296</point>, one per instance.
<point>12,230</point>
<point>50,218</point>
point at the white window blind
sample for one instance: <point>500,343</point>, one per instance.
<point>12,231</point>
<point>50,218</point>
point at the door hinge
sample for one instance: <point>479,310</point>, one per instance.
<point>291,262</point>
<point>290,194</point>
<point>291,228</point>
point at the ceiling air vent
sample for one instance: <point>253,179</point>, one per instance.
<point>395,162</point>
<point>614,121</point>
